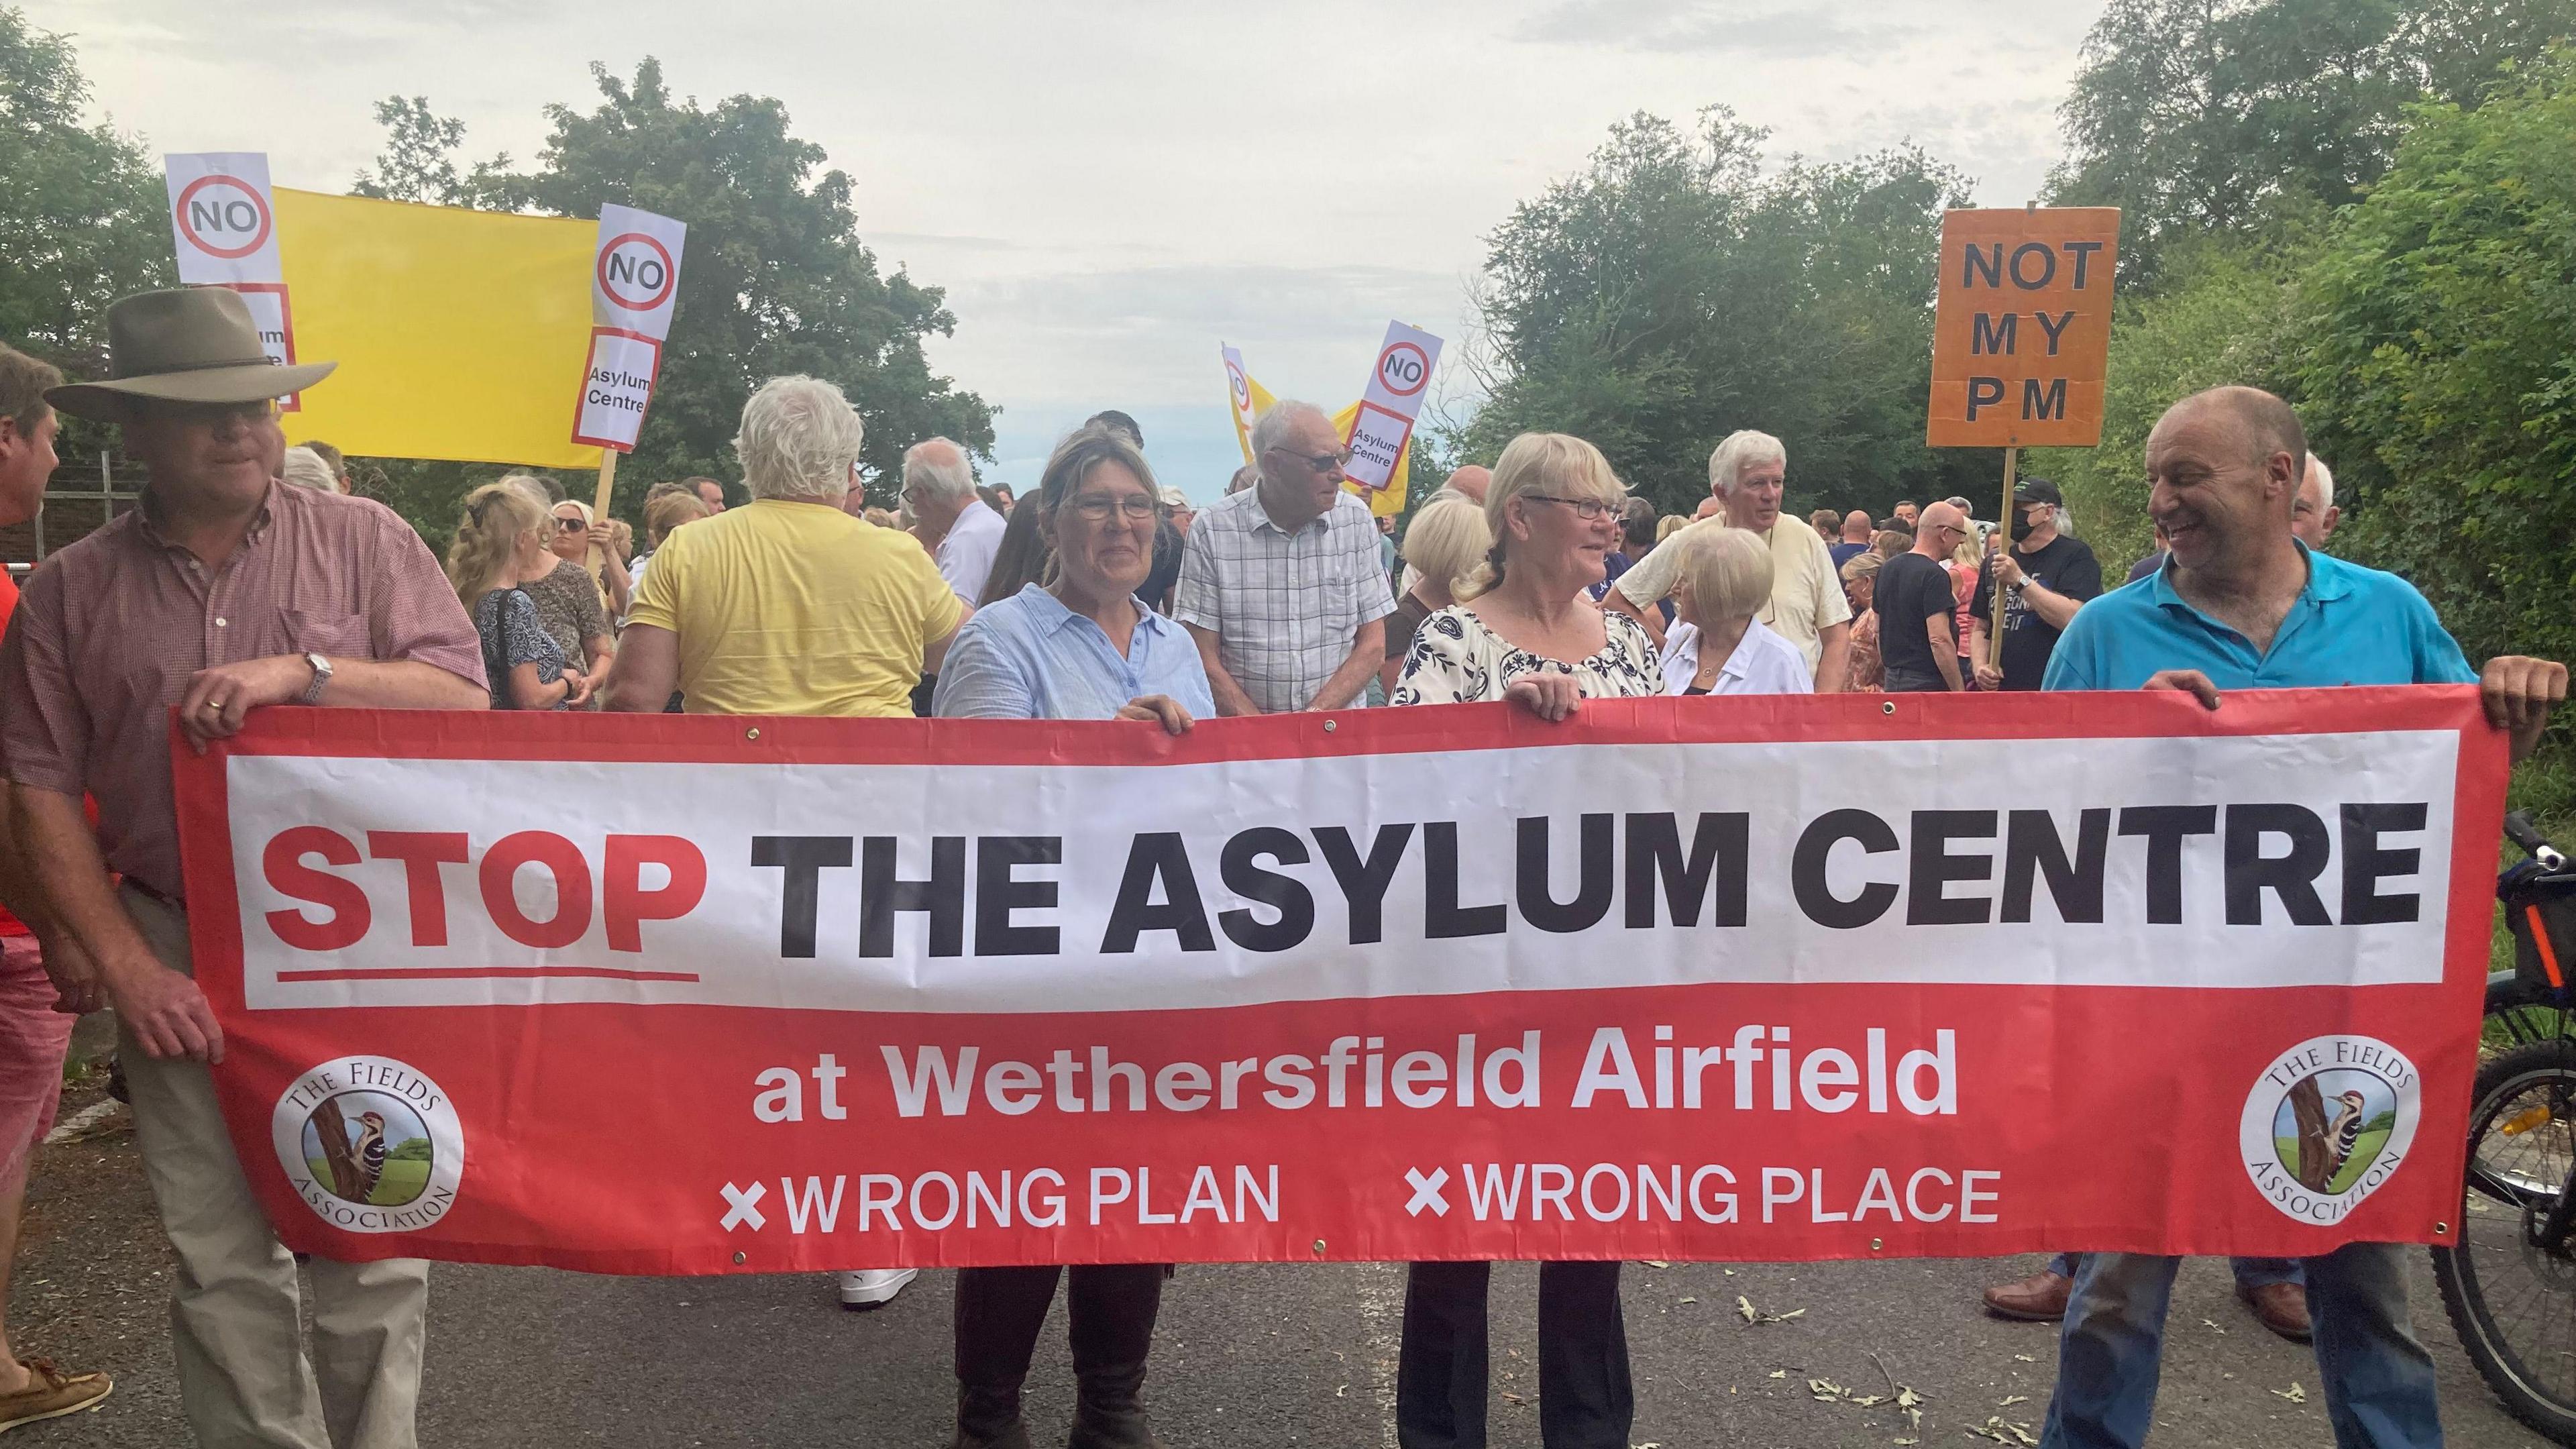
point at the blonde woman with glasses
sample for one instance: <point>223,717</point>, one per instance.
<point>1523,629</point>
<point>1526,633</point>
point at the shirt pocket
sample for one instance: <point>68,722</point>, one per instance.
<point>328,632</point>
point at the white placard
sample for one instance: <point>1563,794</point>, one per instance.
<point>223,225</point>
<point>616,388</point>
<point>634,289</point>
<point>636,279</point>
<point>1396,386</point>
<point>221,218</point>
<point>1238,387</point>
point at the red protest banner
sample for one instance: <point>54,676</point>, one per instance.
<point>1676,979</point>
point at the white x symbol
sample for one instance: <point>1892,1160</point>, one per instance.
<point>1426,1192</point>
<point>740,1209</point>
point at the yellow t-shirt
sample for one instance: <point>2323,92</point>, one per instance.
<point>796,608</point>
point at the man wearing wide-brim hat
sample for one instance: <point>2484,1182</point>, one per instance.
<point>223,593</point>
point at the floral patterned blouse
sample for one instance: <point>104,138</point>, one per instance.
<point>1455,659</point>
<point>507,620</point>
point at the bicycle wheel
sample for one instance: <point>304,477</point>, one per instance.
<point>2512,1302</point>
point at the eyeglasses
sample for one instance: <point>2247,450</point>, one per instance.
<point>1590,510</point>
<point>571,525</point>
<point>1131,507</point>
<point>1320,462</point>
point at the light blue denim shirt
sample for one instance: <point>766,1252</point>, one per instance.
<point>1030,657</point>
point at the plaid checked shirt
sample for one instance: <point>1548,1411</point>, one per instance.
<point>1283,606</point>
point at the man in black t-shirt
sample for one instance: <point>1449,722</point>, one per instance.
<point>2047,576</point>
<point>1918,628</point>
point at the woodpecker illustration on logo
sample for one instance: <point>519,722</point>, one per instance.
<point>2343,1132</point>
<point>369,1150</point>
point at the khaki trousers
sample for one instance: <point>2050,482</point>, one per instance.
<point>244,1379</point>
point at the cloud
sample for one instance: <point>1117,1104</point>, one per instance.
<point>1670,25</point>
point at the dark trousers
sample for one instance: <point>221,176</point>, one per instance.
<point>1000,1310</point>
<point>1584,1401</point>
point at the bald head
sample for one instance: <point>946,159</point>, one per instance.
<point>1856,527</point>
<point>1938,529</point>
<point>2223,471</point>
<point>2262,424</point>
<point>1472,480</point>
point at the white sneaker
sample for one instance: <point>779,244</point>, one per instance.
<point>873,1287</point>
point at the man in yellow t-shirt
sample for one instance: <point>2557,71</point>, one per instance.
<point>789,606</point>
<point>1745,478</point>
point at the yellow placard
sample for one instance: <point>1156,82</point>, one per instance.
<point>1386,502</point>
<point>460,334</point>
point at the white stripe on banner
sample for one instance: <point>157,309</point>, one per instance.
<point>1306,872</point>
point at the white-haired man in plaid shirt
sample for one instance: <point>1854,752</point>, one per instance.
<point>1280,583</point>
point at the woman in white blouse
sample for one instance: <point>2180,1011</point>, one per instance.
<point>1525,632</point>
<point>1719,647</point>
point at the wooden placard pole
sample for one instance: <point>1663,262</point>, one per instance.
<point>2003,528</point>
<point>608,483</point>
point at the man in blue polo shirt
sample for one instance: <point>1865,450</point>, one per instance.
<point>2242,604</point>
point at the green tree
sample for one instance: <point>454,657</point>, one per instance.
<point>418,162</point>
<point>1676,291</point>
<point>2437,367</point>
<point>81,220</point>
<point>2199,117</point>
<point>2225,316</point>
<point>776,279</point>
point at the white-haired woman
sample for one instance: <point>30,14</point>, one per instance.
<point>1718,646</point>
<point>1525,633</point>
<point>304,468</point>
<point>788,606</point>
<point>1443,547</point>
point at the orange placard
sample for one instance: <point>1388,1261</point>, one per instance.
<point>2022,337</point>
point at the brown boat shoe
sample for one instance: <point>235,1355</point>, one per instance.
<point>2280,1307</point>
<point>50,1394</point>
<point>2039,1298</point>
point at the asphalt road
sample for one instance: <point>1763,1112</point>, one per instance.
<point>1249,1356</point>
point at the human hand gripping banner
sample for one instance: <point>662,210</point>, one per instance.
<point>1781,978</point>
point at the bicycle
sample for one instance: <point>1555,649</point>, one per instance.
<point>2509,1284</point>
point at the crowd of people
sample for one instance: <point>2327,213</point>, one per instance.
<point>1538,582</point>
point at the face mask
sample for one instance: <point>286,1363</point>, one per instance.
<point>2020,525</point>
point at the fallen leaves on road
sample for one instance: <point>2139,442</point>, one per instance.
<point>2294,1393</point>
<point>1750,1314</point>
<point>2008,1400</point>
<point>1653,1263</point>
<point>2003,1431</point>
<point>2024,1358</point>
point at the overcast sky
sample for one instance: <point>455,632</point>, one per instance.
<point>1107,190</point>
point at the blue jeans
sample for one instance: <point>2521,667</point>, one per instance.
<point>2251,1273</point>
<point>2378,1379</point>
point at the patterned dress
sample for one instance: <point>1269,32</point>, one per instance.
<point>1455,659</point>
<point>507,620</point>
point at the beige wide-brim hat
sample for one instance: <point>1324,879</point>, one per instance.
<point>194,345</point>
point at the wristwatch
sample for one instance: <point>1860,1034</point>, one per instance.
<point>321,678</point>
